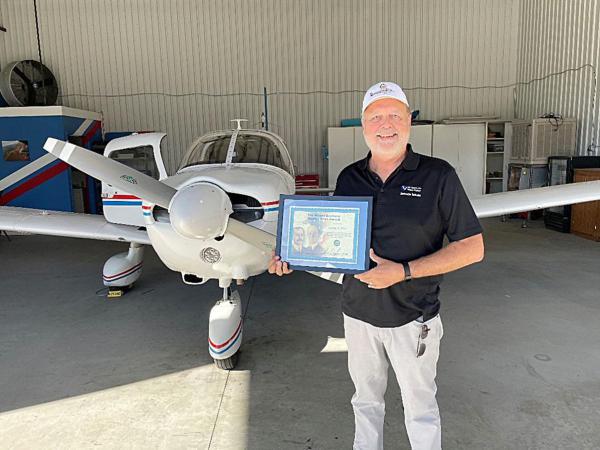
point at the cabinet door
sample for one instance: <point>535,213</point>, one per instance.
<point>360,146</point>
<point>420,139</point>
<point>463,146</point>
<point>340,142</point>
<point>445,144</point>
<point>585,217</point>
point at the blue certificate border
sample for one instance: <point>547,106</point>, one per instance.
<point>362,206</point>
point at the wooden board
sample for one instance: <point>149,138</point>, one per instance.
<point>585,217</point>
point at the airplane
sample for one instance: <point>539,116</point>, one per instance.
<point>215,218</point>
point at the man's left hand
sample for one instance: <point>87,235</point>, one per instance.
<point>384,275</point>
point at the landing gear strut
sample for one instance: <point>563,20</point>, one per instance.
<point>225,328</point>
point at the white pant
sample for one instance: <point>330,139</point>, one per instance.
<point>368,366</point>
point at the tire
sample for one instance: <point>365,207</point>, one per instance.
<point>227,363</point>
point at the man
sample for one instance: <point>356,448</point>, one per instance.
<point>391,311</point>
<point>298,240</point>
<point>313,245</point>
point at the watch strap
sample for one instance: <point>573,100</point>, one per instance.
<point>407,274</point>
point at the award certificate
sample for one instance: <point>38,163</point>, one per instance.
<point>331,234</point>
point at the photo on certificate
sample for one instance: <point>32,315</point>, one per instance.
<point>325,233</point>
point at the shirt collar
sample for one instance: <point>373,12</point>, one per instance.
<point>410,161</point>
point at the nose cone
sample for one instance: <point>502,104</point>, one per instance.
<point>200,211</point>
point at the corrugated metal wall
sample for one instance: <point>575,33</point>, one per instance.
<point>145,64</point>
<point>560,36</point>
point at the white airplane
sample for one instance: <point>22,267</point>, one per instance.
<point>216,218</point>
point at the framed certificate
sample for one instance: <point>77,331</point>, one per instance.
<point>331,234</point>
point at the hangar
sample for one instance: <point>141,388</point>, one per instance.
<point>110,110</point>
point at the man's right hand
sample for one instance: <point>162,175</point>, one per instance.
<point>277,266</point>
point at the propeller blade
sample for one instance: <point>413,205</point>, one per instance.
<point>112,172</point>
<point>260,239</point>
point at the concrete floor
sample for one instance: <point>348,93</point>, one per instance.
<point>518,368</point>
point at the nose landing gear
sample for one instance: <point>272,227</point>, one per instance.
<point>225,328</point>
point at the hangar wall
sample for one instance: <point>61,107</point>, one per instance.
<point>559,36</point>
<point>188,66</point>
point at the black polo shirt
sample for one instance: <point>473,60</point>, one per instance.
<point>421,202</point>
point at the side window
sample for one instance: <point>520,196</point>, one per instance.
<point>138,158</point>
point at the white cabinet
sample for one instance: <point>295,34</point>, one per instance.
<point>420,139</point>
<point>463,146</point>
<point>340,143</point>
<point>360,146</point>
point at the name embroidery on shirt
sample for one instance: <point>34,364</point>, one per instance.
<point>411,191</point>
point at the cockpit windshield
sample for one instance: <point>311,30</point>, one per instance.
<point>249,148</point>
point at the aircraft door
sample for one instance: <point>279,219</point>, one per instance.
<point>141,152</point>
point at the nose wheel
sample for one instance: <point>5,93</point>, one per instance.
<point>228,363</point>
<point>225,329</point>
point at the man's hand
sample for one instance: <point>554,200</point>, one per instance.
<point>384,275</point>
<point>278,267</point>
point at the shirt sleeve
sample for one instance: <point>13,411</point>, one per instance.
<point>459,219</point>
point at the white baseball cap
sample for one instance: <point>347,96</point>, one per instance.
<point>383,89</point>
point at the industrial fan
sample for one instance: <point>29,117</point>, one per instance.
<point>28,83</point>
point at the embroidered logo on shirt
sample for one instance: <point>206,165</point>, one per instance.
<point>411,191</point>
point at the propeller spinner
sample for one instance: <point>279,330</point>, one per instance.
<point>200,211</point>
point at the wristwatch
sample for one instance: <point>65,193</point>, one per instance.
<point>407,275</point>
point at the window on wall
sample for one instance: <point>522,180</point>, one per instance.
<point>15,150</point>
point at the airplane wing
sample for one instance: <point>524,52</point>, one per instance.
<point>492,205</point>
<point>67,224</point>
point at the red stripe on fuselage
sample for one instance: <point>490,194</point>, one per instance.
<point>123,197</point>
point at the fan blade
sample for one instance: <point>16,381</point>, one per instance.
<point>262,240</point>
<point>24,77</point>
<point>112,172</point>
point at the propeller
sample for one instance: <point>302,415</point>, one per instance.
<point>260,239</point>
<point>210,219</point>
<point>112,172</point>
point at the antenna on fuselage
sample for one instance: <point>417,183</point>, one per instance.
<point>239,122</point>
